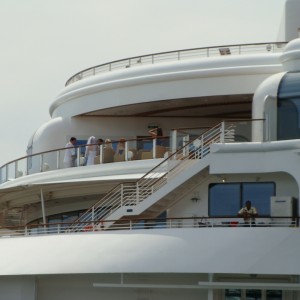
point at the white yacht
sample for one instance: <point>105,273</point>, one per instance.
<point>158,217</point>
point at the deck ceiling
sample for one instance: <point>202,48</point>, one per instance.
<point>229,106</point>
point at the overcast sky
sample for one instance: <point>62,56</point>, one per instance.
<point>44,42</point>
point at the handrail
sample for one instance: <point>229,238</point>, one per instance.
<point>197,222</point>
<point>178,55</point>
<point>40,155</point>
<point>135,192</point>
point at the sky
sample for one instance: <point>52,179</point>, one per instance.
<point>44,42</point>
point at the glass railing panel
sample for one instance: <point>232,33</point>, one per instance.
<point>190,54</point>
<point>146,59</point>
<point>240,131</point>
<point>102,69</point>
<point>34,164</point>
<point>183,136</point>
<point>11,171</point>
<point>49,161</point>
<point>120,65</point>
<point>3,173</point>
<point>164,57</point>
<point>21,167</point>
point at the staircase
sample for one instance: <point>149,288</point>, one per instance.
<point>152,194</point>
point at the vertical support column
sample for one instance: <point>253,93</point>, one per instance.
<point>16,169</point>
<point>154,148</point>
<point>202,147</point>
<point>126,151</point>
<point>137,193</point>
<point>78,157</point>
<point>210,292</point>
<point>41,162</point>
<point>122,191</point>
<point>93,217</point>
<point>6,175</point>
<point>222,136</point>
<point>174,140</point>
<point>43,207</point>
<point>185,150</point>
<point>101,154</point>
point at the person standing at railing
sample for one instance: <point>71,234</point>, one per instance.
<point>156,133</point>
<point>70,153</point>
<point>249,213</point>
<point>91,150</point>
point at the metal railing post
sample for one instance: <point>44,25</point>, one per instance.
<point>222,137</point>
<point>78,156</point>
<point>137,193</point>
<point>41,162</point>
<point>101,154</point>
<point>6,175</point>
<point>126,151</point>
<point>202,147</point>
<point>122,191</point>
<point>57,160</point>
<point>16,169</point>
<point>174,140</point>
<point>154,148</point>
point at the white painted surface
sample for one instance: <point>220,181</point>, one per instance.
<point>232,250</point>
<point>202,77</point>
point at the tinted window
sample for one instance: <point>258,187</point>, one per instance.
<point>288,107</point>
<point>226,199</point>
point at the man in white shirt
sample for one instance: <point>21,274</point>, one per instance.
<point>248,213</point>
<point>70,153</point>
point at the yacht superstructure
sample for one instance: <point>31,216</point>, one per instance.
<point>158,219</point>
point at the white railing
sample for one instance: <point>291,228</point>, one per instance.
<point>178,55</point>
<point>237,131</point>
<point>54,159</point>
<point>132,193</point>
<point>136,224</point>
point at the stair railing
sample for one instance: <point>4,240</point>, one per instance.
<point>132,193</point>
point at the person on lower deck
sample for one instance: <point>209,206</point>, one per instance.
<point>248,213</point>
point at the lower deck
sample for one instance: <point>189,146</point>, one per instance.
<point>145,286</point>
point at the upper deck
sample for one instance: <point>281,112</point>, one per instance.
<point>178,55</point>
<point>186,79</point>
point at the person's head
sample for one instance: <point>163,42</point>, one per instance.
<point>108,143</point>
<point>100,141</point>
<point>73,140</point>
<point>248,204</point>
<point>122,140</point>
<point>159,131</point>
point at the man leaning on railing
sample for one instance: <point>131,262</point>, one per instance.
<point>248,213</point>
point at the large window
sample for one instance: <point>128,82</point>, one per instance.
<point>288,107</point>
<point>226,199</point>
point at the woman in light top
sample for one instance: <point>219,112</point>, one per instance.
<point>91,150</point>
